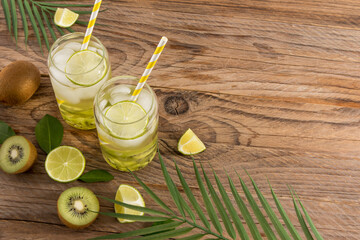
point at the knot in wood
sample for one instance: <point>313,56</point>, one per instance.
<point>176,105</point>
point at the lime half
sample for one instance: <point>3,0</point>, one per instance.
<point>85,68</point>
<point>189,143</point>
<point>65,164</point>
<point>64,17</point>
<point>126,120</point>
<point>130,195</point>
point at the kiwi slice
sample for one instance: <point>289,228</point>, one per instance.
<point>78,207</point>
<point>17,155</point>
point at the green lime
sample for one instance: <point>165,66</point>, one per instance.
<point>126,119</point>
<point>85,68</point>
<point>65,164</point>
<point>130,195</point>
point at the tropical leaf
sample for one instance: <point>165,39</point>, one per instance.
<point>38,13</point>
<point>180,222</point>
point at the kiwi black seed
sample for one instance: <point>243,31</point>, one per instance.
<point>17,155</point>
<point>78,207</point>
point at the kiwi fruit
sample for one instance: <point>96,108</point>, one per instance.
<point>78,207</point>
<point>17,155</point>
<point>18,82</point>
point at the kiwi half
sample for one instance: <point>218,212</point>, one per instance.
<point>17,155</point>
<point>78,207</point>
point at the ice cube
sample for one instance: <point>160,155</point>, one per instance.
<point>121,89</point>
<point>118,97</point>
<point>102,104</point>
<point>76,46</point>
<point>61,57</point>
<point>101,52</point>
<point>92,49</point>
<point>145,100</point>
<point>58,75</point>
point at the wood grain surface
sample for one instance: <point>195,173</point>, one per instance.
<point>272,87</point>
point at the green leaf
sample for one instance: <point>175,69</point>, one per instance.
<point>290,226</point>
<point>135,217</point>
<point>49,26</point>
<point>5,132</point>
<point>96,175</point>
<point>193,237</point>
<point>24,20</point>
<point>172,188</point>
<point>191,198</point>
<point>167,234</point>
<point>64,4</point>
<point>6,9</point>
<point>209,207</point>
<point>134,207</point>
<point>49,133</point>
<point>152,194</point>
<point>301,219</point>
<point>33,23</point>
<point>275,221</point>
<point>312,226</point>
<point>236,219</point>
<point>244,211</point>
<point>14,19</point>
<point>138,232</point>
<point>70,29</point>
<point>41,25</point>
<point>221,209</point>
<point>264,224</point>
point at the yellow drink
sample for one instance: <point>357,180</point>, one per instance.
<point>127,131</point>
<point>76,76</point>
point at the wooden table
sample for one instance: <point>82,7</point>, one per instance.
<point>269,86</point>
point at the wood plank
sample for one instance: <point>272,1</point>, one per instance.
<point>300,144</point>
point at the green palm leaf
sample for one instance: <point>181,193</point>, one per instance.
<point>14,19</point>
<point>224,215</point>
<point>275,221</point>
<point>236,219</point>
<point>36,12</point>
<point>171,225</point>
<point>191,197</point>
<point>144,231</point>
<point>41,25</point>
<point>6,9</point>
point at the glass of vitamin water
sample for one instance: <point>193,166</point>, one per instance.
<point>76,76</point>
<point>127,130</point>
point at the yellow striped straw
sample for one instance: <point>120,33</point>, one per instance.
<point>149,68</point>
<point>91,24</point>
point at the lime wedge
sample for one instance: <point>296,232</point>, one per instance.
<point>65,164</point>
<point>65,17</point>
<point>130,195</point>
<point>85,68</point>
<point>190,144</point>
<point>126,119</point>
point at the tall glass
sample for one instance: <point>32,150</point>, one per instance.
<point>76,76</point>
<point>127,131</point>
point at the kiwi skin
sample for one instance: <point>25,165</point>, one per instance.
<point>18,82</point>
<point>69,224</point>
<point>31,160</point>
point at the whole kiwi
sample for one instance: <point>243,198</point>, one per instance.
<point>18,82</point>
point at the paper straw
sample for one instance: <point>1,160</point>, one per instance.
<point>148,69</point>
<point>91,24</point>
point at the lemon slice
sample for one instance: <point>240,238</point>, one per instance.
<point>190,144</point>
<point>85,68</point>
<point>126,120</point>
<point>65,164</point>
<point>65,17</point>
<point>130,195</point>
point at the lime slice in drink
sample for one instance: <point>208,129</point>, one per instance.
<point>85,68</point>
<point>65,17</point>
<point>126,120</point>
<point>190,144</point>
<point>130,195</point>
<point>65,164</point>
